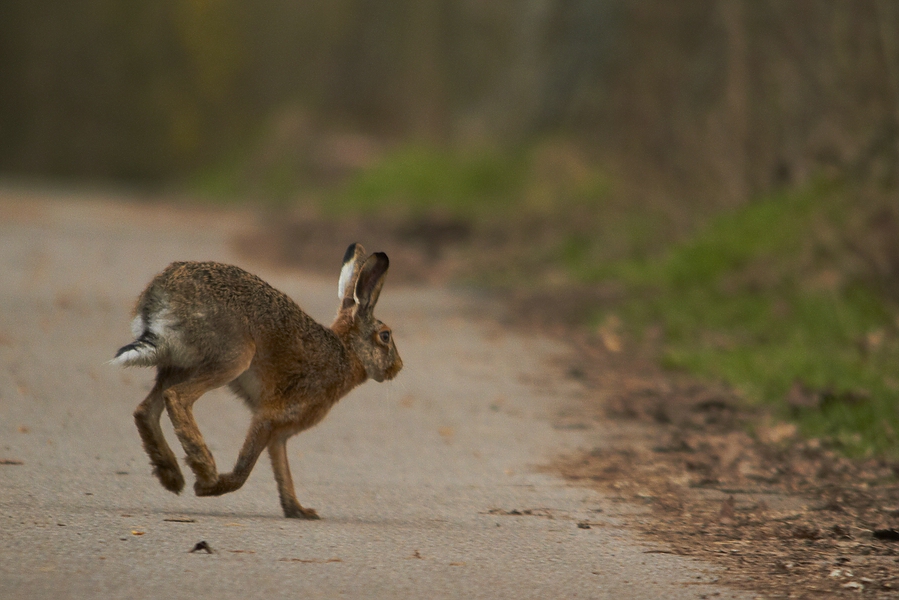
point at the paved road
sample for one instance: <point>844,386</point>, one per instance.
<point>411,478</point>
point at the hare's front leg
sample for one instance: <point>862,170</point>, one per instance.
<point>277,450</point>
<point>257,439</point>
<point>146,417</point>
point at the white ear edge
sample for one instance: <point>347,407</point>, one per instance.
<point>346,273</point>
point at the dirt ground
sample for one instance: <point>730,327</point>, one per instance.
<point>720,481</point>
<point>725,483</point>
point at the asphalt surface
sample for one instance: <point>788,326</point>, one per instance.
<point>417,481</point>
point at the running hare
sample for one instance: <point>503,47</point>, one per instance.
<point>205,324</point>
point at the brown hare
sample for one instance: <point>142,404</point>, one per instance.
<point>204,325</point>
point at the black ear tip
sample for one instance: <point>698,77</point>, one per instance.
<point>350,252</point>
<point>382,258</point>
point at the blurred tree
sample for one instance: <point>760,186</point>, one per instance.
<point>104,89</point>
<point>718,99</point>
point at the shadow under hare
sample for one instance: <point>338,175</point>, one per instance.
<point>204,325</point>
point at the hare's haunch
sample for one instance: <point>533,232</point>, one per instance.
<point>204,325</point>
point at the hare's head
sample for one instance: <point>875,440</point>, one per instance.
<point>371,340</point>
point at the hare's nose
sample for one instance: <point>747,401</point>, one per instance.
<point>397,366</point>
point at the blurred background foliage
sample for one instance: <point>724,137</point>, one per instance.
<point>727,168</point>
<point>725,99</point>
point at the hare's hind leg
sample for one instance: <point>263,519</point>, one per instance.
<point>179,401</point>
<point>146,417</point>
<point>257,439</point>
<point>277,450</point>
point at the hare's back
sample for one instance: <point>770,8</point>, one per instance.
<point>209,303</point>
<point>198,282</point>
<point>211,288</point>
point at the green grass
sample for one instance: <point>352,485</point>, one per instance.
<point>228,182</point>
<point>416,179</point>
<point>742,302</point>
<point>409,180</point>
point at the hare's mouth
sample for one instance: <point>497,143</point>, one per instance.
<point>393,371</point>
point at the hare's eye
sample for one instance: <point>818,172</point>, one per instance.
<point>385,336</point>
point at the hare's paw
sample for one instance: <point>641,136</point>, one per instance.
<point>204,488</point>
<point>298,512</point>
<point>169,476</point>
<point>221,485</point>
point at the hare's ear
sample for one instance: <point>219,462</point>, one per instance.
<point>370,281</point>
<point>349,273</point>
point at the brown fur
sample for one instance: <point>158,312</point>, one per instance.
<point>206,325</point>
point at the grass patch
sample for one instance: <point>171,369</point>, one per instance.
<point>411,180</point>
<point>771,297</point>
<point>277,182</point>
<point>414,180</point>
